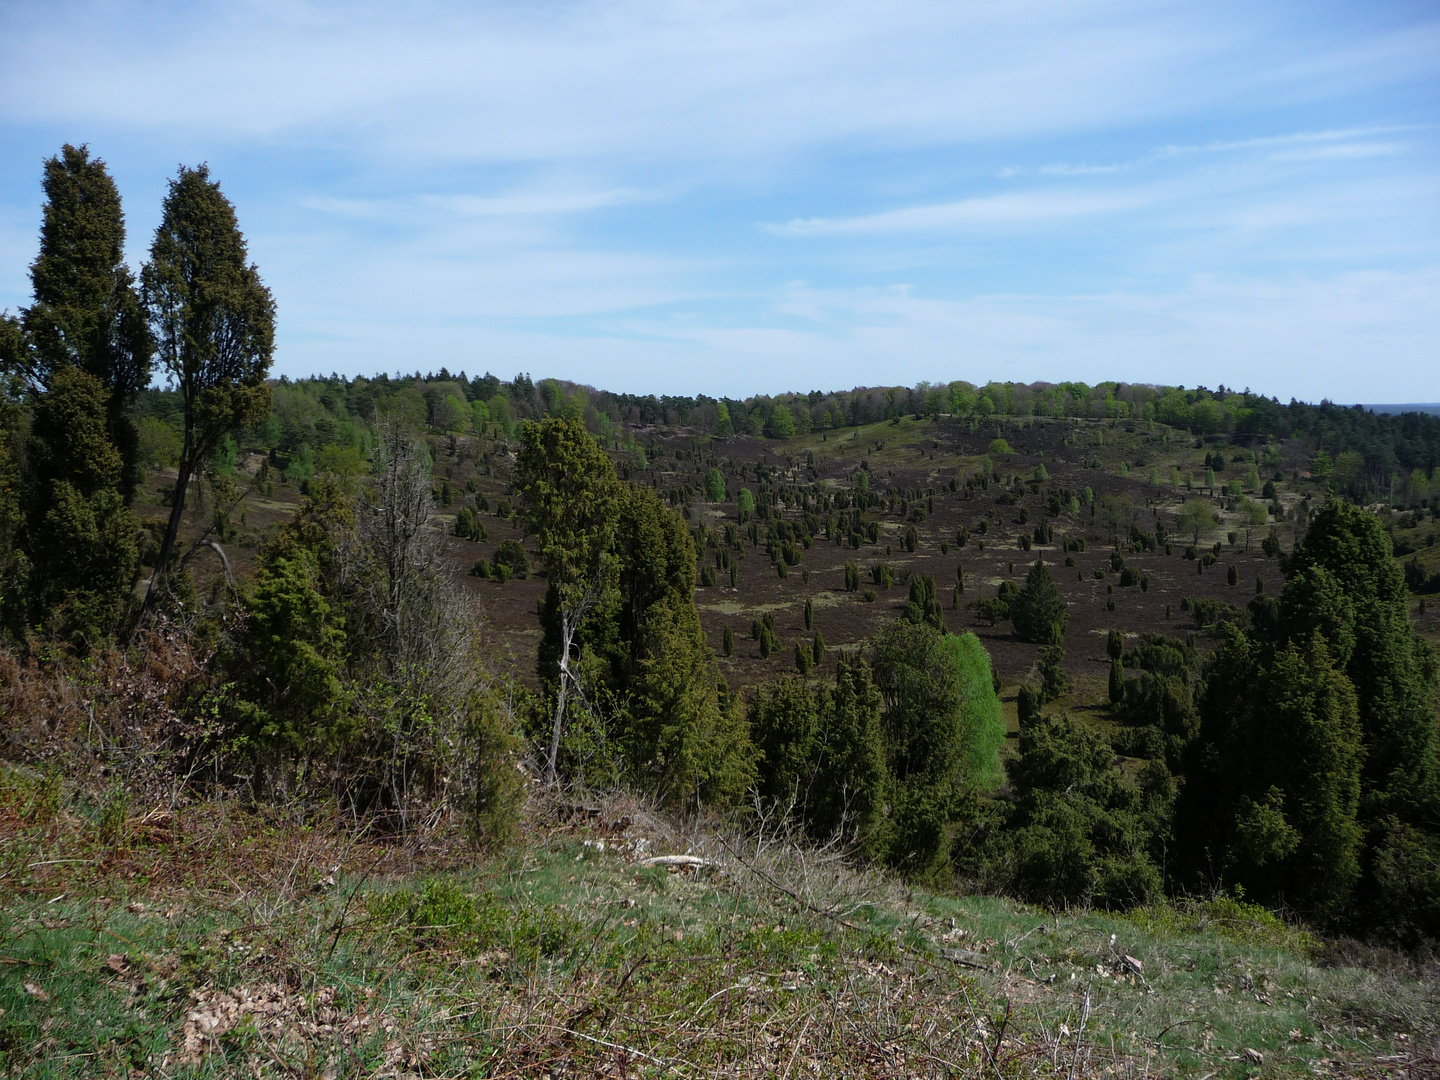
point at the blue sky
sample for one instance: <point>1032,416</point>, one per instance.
<point>735,197</point>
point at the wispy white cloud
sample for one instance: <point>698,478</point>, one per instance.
<point>1294,146</point>
<point>986,210</point>
<point>576,185</point>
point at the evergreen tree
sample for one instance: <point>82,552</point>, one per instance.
<point>1361,610</point>
<point>86,312</point>
<point>84,556</point>
<point>784,722</point>
<point>569,495</point>
<point>1054,682</point>
<point>1273,781</point>
<point>1038,611</point>
<point>214,322</point>
<point>942,730</point>
<point>851,776</point>
<point>1077,832</point>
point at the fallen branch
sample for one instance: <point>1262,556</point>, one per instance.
<point>692,861</point>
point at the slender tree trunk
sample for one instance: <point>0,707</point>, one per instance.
<point>567,635</point>
<point>172,533</point>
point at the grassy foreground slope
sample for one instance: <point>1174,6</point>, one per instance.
<point>207,940</point>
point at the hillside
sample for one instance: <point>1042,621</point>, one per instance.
<point>208,941</point>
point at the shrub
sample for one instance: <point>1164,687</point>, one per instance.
<point>511,555</point>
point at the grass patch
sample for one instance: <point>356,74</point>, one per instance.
<point>569,955</point>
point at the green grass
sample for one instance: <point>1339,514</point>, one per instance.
<point>558,955</point>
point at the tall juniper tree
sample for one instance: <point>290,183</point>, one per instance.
<point>86,313</point>
<point>214,324</point>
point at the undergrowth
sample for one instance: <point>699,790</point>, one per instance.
<point>213,940</point>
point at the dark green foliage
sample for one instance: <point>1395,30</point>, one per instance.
<point>1274,784</point>
<point>768,641</point>
<point>851,775</point>
<point>214,325</point>
<point>511,555</point>
<point>924,602</point>
<point>1117,682</point>
<point>817,648</point>
<point>1078,832</point>
<point>882,574</point>
<point>1363,617</point>
<point>683,735</point>
<point>783,720</point>
<point>804,657</point>
<point>1114,644</point>
<point>727,642</point>
<point>290,697</point>
<point>1038,611</point>
<point>86,312</point>
<point>1029,700</point>
<point>84,557</point>
<point>852,577</point>
<point>1054,683</point>
<point>809,613</point>
<point>1232,575</point>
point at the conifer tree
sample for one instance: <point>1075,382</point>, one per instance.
<point>86,312</point>
<point>214,324</point>
<point>851,775</point>
<point>82,541</point>
<point>569,495</point>
<point>783,722</point>
<point>1039,610</point>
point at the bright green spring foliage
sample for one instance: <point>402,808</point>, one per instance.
<point>714,485</point>
<point>982,730</point>
<point>942,732</point>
